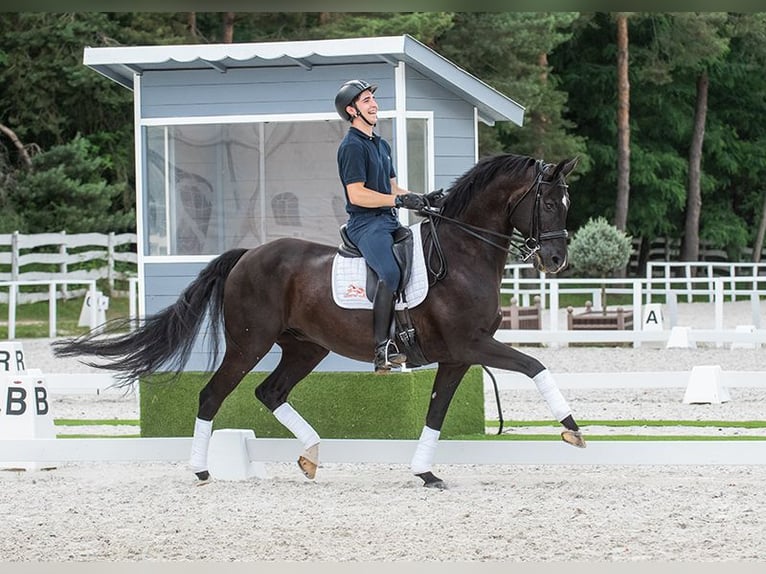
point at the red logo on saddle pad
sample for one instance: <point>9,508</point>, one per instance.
<point>355,292</point>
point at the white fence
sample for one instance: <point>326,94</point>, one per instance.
<point>686,279</point>
<point>665,289</point>
<point>64,258</point>
<point>388,451</point>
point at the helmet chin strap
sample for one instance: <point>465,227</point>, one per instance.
<point>361,115</point>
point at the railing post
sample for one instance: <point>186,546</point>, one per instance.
<point>110,261</point>
<point>52,309</point>
<point>649,273</point>
<point>719,308</point>
<point>64,252</point>
<point>689,288</point>
<point>12,311</point>
<point>15,256</point>
<point>554,309</point>
<point>637,323</point>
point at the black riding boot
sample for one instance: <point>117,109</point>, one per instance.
<point>386,353</point>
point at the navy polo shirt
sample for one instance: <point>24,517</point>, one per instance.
<point>367,159</point>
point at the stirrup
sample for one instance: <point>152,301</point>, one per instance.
<point>387,355</point>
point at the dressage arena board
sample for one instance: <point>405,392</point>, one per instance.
<point>519,452</point>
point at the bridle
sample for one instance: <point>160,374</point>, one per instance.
<point>524,248</point>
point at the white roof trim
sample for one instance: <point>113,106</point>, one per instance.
<point>121,63</point>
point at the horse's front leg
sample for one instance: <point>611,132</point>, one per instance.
<point>448,377</point>
<point>492,353</point>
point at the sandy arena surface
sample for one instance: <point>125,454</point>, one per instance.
<point>86,512</point>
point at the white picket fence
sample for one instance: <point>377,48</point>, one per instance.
<point>720,283</point>
<point>686,279</point>
<point>66,259</point>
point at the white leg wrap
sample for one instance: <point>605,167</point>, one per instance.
<point>422,460</point>
<point>297,425</point>
<point>200,442</point>
<point>548,388</point>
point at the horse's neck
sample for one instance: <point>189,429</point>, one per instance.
<point>488,254</point>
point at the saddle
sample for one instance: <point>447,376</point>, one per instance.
<point>402,253</point>
<point>404,330</point>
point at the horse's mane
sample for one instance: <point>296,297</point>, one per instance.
<point>478,178</point>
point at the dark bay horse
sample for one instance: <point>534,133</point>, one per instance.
<point>280,292</point>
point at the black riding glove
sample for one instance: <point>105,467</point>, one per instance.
<point>410,201</point>
<point>436,197</point>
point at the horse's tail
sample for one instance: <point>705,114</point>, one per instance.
<point>163,340</point>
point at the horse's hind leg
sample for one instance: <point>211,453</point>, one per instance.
<point>299,358</point>
<point>233,368</point>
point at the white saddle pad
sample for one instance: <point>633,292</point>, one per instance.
<point>349,279</point>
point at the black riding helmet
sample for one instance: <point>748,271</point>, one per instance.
<point>348,93</point>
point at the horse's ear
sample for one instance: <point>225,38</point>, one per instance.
<point>565,167</point>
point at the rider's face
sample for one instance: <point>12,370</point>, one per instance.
<point>367,106</point>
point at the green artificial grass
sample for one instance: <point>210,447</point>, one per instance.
<point>95,422</point>
<point>337,405</point>
<point>98,436</point>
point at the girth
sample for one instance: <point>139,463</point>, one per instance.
<point>402,249</point>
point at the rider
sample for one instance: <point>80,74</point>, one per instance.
<point>369,183</point>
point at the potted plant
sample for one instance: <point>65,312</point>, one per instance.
<point>597,249</point>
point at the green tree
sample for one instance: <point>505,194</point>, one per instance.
<point>65,191</point>
<point>682,48</point>
<point>664,94</point>
<point>509,51</point>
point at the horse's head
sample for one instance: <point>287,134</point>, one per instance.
<point>541,215</point>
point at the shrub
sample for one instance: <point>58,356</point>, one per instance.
<point>598,249</point>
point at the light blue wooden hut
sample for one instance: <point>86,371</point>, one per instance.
<point>235,143</point>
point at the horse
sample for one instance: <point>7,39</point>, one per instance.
<point>280,293</point>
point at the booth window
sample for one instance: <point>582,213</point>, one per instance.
<point>213,187</point>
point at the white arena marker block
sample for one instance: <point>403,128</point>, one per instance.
<point>12,358</point>
<point>652,317</point>
<point>25,413</point>
<point>228,458</point>
<point>705,386</point>
<point>744,345</point>
<point>679,339</point>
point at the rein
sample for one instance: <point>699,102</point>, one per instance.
<point>525,248</point>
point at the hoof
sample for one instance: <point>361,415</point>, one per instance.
<point>431,481</point>
<point>203,475</point>
<point>574,438</point>
<point>308,468</point>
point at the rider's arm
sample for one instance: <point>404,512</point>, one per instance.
<point>363,196</point>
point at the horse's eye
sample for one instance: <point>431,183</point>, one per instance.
<point>549,205</point>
